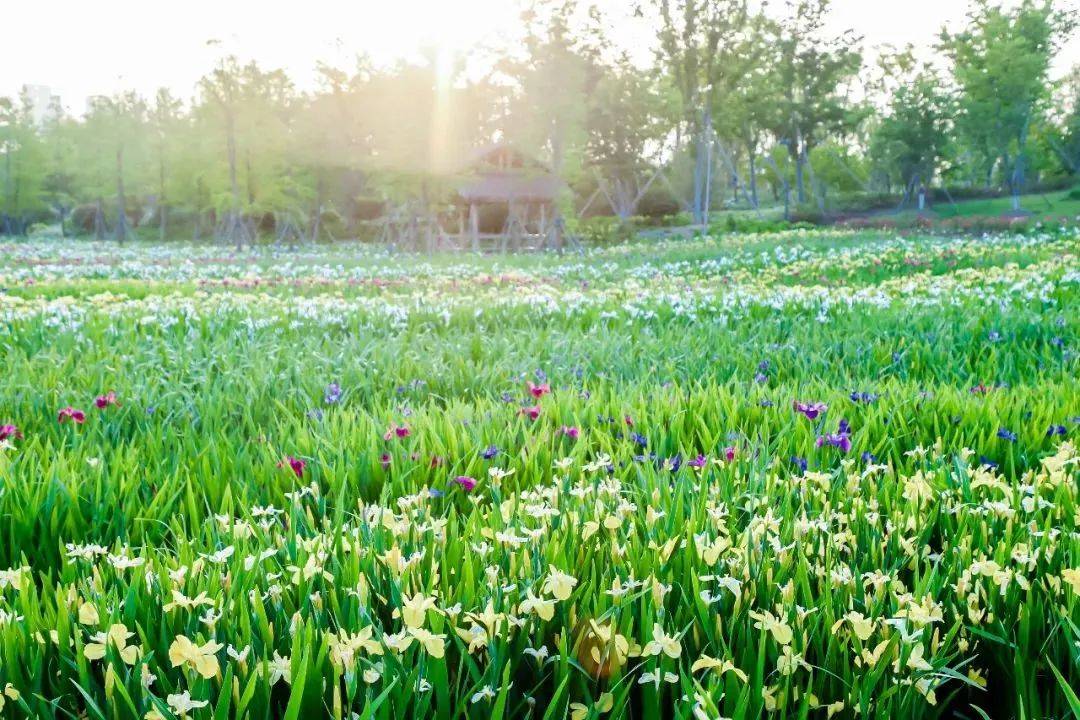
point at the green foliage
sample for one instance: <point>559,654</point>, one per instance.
<point>917,583</point>
<point>740,109</point>
<point>1001,63</point>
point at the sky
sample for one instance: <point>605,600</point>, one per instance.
<point>80,48</point>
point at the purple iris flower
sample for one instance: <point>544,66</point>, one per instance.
<point>698,462</point>
<point>1055,430</point>
<point>1006,434</point>
<point>987,462</point>
<point>810,410</point>
<point>761,378</point>
<point>839,439</point>
<point>639,439</point>
<point>799,463</point>
<point>863,397</point>
<point>490,452</point>
<point>869,457</point>
<point>333,394</point>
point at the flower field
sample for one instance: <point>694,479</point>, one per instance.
<point>811,474</point>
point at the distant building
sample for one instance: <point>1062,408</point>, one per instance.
<point>42,102</point>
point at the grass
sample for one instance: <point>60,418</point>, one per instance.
<point>335,482</point>
<point>1057,204</point>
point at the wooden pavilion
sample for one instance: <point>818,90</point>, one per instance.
<point>508,200</point>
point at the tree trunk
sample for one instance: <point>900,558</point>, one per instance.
<point>233,222</point>
<point>800,164</point>
<point>700,170</point>
<point>121,203</point>
<point>162,208</point>
<point>753,175</point>
<point>99,219</point>
<point>316,219</point>
<point>1018,170</point>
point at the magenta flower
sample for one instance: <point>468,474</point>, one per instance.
<point>69,413</point>
<point>295,464</point>
<point>397,431</point>
<point>467,483</point>
<point>531,412</point>
<point>538,391</point>
<point>699,462</point>
<point>9,431</point>
<point>104,401</point>
<point>810,410</point>
<point>570,431</point>
<point>384,460</point>
<point>730,452</point>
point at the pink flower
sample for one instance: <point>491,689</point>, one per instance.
<point>295,464</point>
<point>69,413</point>
<point>397,431</point>
<point>9,431</point>
<point>384,460</point>
<point>104,401</point>
<point>628,420</point>
<point>436,461</point>
<point>570,431</point>
<point>531,412</point>
<point>466,482</point>
<point>538,391</point>
<point>730,452</point>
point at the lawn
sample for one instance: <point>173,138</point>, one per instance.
<point>1055,204</point>
<point>811,474</point>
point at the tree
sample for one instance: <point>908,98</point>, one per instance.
<point>1064,138</point>
<point>551,83</point>
<point>1000,65</point>
<point>22,175</point>
<point>752,107</point>
<point>628,117</point>
<point>702,43</point>
<point>911,137</point>
<point>249,109</point>
<point>813,75</point>
<point>59,136</point>
<point>165,120</point>
<point>112,151</point>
